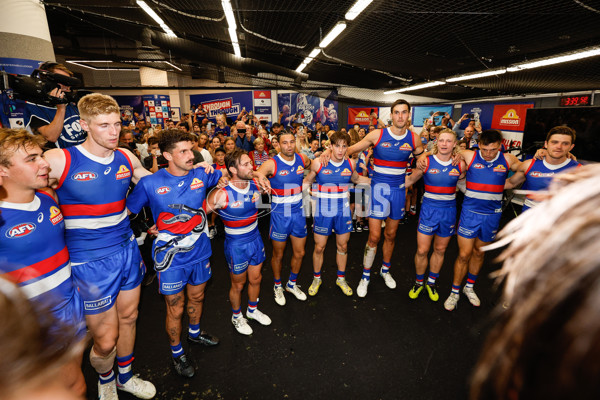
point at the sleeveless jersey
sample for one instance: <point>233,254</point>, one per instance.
<point>178,204</point>
<point>539,175</point>
<point>33,252</point>
<point>92,194</point>
<point>485,184</point>
<point>332,184</point>
<point>240,212</point>
<point>390,157</point>
<point>440,180</point>
<point>286,184</point>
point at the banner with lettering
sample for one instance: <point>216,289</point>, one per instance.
<point>308,109</point>
<point>361,116</point>
<point>230,103</point>
<point>510,117</point>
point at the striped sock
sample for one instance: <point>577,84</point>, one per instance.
<point>432,277</point>
<point>385,267</point>
<point>366,274</point>
<point>455,288</point>
<point>419,280</point>
<point>278,283</point>
<point>317,275</point>
<point>470,280</point>
<point>194,330</point>
<point>237,313</point>
<point>176,350</point>
<point>106,377</point>
<point>124,364</point>
<point>341,274</point>
<point>292,281</point>
<point>252,306</point>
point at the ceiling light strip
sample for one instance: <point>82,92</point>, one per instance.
<point>156,18</point>
<point>416,87</point>
<point>357,8</point>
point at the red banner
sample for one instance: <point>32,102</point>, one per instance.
<point>510,117</point>
<point>361,115</point>
<point>262,94</point>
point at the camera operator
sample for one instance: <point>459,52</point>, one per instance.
<point>59,124</point>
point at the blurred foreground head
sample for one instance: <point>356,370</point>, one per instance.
<point>32,349</point>
<point>546,344</point>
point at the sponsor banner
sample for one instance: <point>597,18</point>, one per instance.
<point>263,105</point>
<point>510,117</point>
<point>176,114</point>
<point>308,109</point>
<point>230,103</point>
<point>420,114</point>
<point>512,139</point>
<point>361,116</point>
<point>157,108</point>
<point>264,117</point>
<point>482,112</point>
<point>14,110</point>
<point>262,110</point>
<point>19,66</point>
<point>132,108</point>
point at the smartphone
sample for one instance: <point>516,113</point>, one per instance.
<point>470,116</point>
<point>372,111</point>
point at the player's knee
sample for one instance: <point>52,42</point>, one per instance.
<point>319,249</point>
<point>197,297</point>
<point>439,249</point>
<point>390,235</point>
<point>342,248</point>
<point>129,316</point>
<point>255,279</point>
<point>422,252</point>
<point>237,286</point>
<point>299,253</point>
<point>373,239</point>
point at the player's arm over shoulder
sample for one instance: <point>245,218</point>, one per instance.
<point>138,169</point>
<point>57,160</point>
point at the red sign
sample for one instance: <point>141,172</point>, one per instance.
<point>510,117</point>
<point>262,94</point>
<point>361,116</point>
<point>567,101</point>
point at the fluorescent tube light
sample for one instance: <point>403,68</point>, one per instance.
<point>156,18</point>
<point>477,75</point>
<point>315,52</point>
<point>556,60</point>
<point>357,8</point>
<point>416,87</point>
<point>333,33</point>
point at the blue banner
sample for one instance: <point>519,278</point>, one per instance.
<point>19,66</point>
<point>132,107</point>
<point>482,111</point>
<point>307,109</point>
<point>231,103</point>
<point>157,108</point>
<point>422,113</point>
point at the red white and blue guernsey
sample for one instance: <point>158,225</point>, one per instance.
<point>91,192</point>
<point>391,156</point>
<point>539,175</point>
<point>243,244</point>
<point>332,201</point>
<point>33,254</point>
<point>485,184</point>
<point>286,184</point>
<point>178,204</point>
<point>440,179</point>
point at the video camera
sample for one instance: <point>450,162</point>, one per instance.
<point>36,87</point>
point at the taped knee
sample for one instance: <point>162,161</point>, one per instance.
<point>341,253</point>
<point>103,364</point>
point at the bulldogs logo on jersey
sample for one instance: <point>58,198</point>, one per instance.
<point>55,215</point>
<point>84,176</point>
<point>123,172</point>
<point>20,230</point>
<point>163,190</point>
<point>196,184</point>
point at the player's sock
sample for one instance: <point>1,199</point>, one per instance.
<point>106,377</point>
<point>366,274</point>
<point>470,280</point>
<point>277,283</point>
<point>292,281</point>
<point>317,275</point>
<point>237,313</point>
<point>385,267</point>
<point>252,306</point>
<point>456,289</point>
<point>176,350</point>
<point>419,279</point>
<point>432,277</point>
<point>194,330</point>
<point>124,364</point>
<point>341,274</point>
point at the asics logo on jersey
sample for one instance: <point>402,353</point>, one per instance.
<point>107,170</point>
<point>163,190</point>
<point>40,217</point>
<point>123,172</point>
<point>180,184</point>
<point>84,176</point>
<point>20,230</point>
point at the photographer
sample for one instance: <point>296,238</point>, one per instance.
<point>58,124</point>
